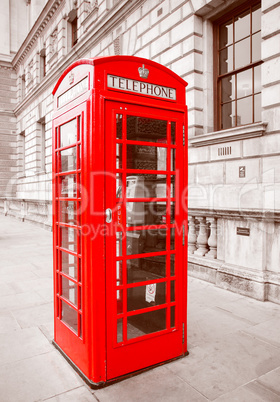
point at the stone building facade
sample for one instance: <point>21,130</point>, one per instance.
<point>229,53</point>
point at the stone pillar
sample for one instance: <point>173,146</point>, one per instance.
<point>191,235</point>
<point>212,241</point>
<point>202,238</point>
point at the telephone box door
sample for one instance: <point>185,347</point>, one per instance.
<point>144,156</point>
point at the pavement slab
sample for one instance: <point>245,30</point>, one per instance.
<point>233,341</point>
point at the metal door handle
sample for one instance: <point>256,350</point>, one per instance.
<point>108,215</point>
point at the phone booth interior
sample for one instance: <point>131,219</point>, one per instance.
<point>119,216</point>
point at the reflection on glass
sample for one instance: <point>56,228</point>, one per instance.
<point>119,125</point>
<point>68,238</point>
<point>119,244</point>
<point>172,291</point>
<point>68,159</point>
<point>257,108</point>
<point>244,110</point>
<point>256,18</point>
<point>244,83</point>
<point>145,241</point>
<point>173,159</point>
<point>226,60</point>
<point>69,316</point>
<point>69,264</point>
<point>257,79</point>
<point>119,156</point>
<point>146,213</point>
<point>242,25</point>
<point>146,323</point>
<point>146,296</point>
<point>146,129</point>
<point>146,186</point>
<point>228,88</point>
<point>119,301</point>
<point>68,188</point>
<point>68,212</point>
<point>242,53</point>
<point>119,185</point>
<point>172,212</point>
<point>226,34</point>
<point>146,158</point>
<point>172,239</point>
<point>146,269</point>
<point>69,291</point>
<point>68,133</point>
<point>119,272</point>
<point>228,115</point>
<point>256,48</point>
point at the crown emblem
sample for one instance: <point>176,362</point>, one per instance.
<point>71,78</point>
<point>143,72</point>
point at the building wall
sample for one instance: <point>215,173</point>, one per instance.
<point>234,199</point>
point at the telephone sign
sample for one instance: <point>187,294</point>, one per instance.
<point>120,260</point>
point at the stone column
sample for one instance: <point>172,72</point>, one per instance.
<point>202,238</point>
<point>191,235</point>
<point>212,241</point>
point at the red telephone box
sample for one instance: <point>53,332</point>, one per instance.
<point>119,216</point>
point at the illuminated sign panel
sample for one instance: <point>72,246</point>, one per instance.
<point>140,87</point>
<point>73,92</point>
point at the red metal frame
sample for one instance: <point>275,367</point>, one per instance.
<point>82,93</point>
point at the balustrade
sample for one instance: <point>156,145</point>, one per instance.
<point>202,236</point>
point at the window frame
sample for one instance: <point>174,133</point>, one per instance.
<point>231,15</point>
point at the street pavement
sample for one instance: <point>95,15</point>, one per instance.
<point>233,341</point>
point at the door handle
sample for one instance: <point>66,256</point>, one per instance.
<point>108,215</point>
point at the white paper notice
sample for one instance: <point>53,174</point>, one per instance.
<point>151,292</point>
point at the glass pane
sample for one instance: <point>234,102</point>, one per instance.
<point>173,132</point>
<point>257,79</point>
<point>119,163</point>
<point>146,241</point>
<point>146,158</point>
<point>242,53</point>
<point>146,269</point>
<point>256,18</point>
<point>68,188</point>
<point>256,47</point>
<point>228,88</point>
<point>68,133</point>
<point>244,111</point>
<point>172,291</point>
<point>146,213</point>
<point>146,323</point>
<point>173,159</point>
<point>69,238</point>
<point>68,159</point>
<point>172,212</point>
<point>226,60</point>
<point>228,115</point>
<point>119,272</point>
<point>242,25</point>
<point>257,108</point>
<point>69,264</point>
<point>172,239</point>
<point>146,186</point>
<point>119,244</point>
<point>146,296</point>
<point>244,83</point>
<point>119,301</point>
<point>120,330</point>
<point>68,212</point>
<point>172,318</point>
<point>146,129</point>
<point>119,124</point>
<point>226,34</point>
<point>119,191</point>
<point>69,316</point>
<point>172,265</point>
<point>69,291</point>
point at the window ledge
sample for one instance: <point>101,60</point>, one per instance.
<point>232,134</point>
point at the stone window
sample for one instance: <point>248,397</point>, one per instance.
<point>238,67</point>
<point>42,64</point>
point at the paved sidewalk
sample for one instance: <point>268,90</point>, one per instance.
<point>234,341</point>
